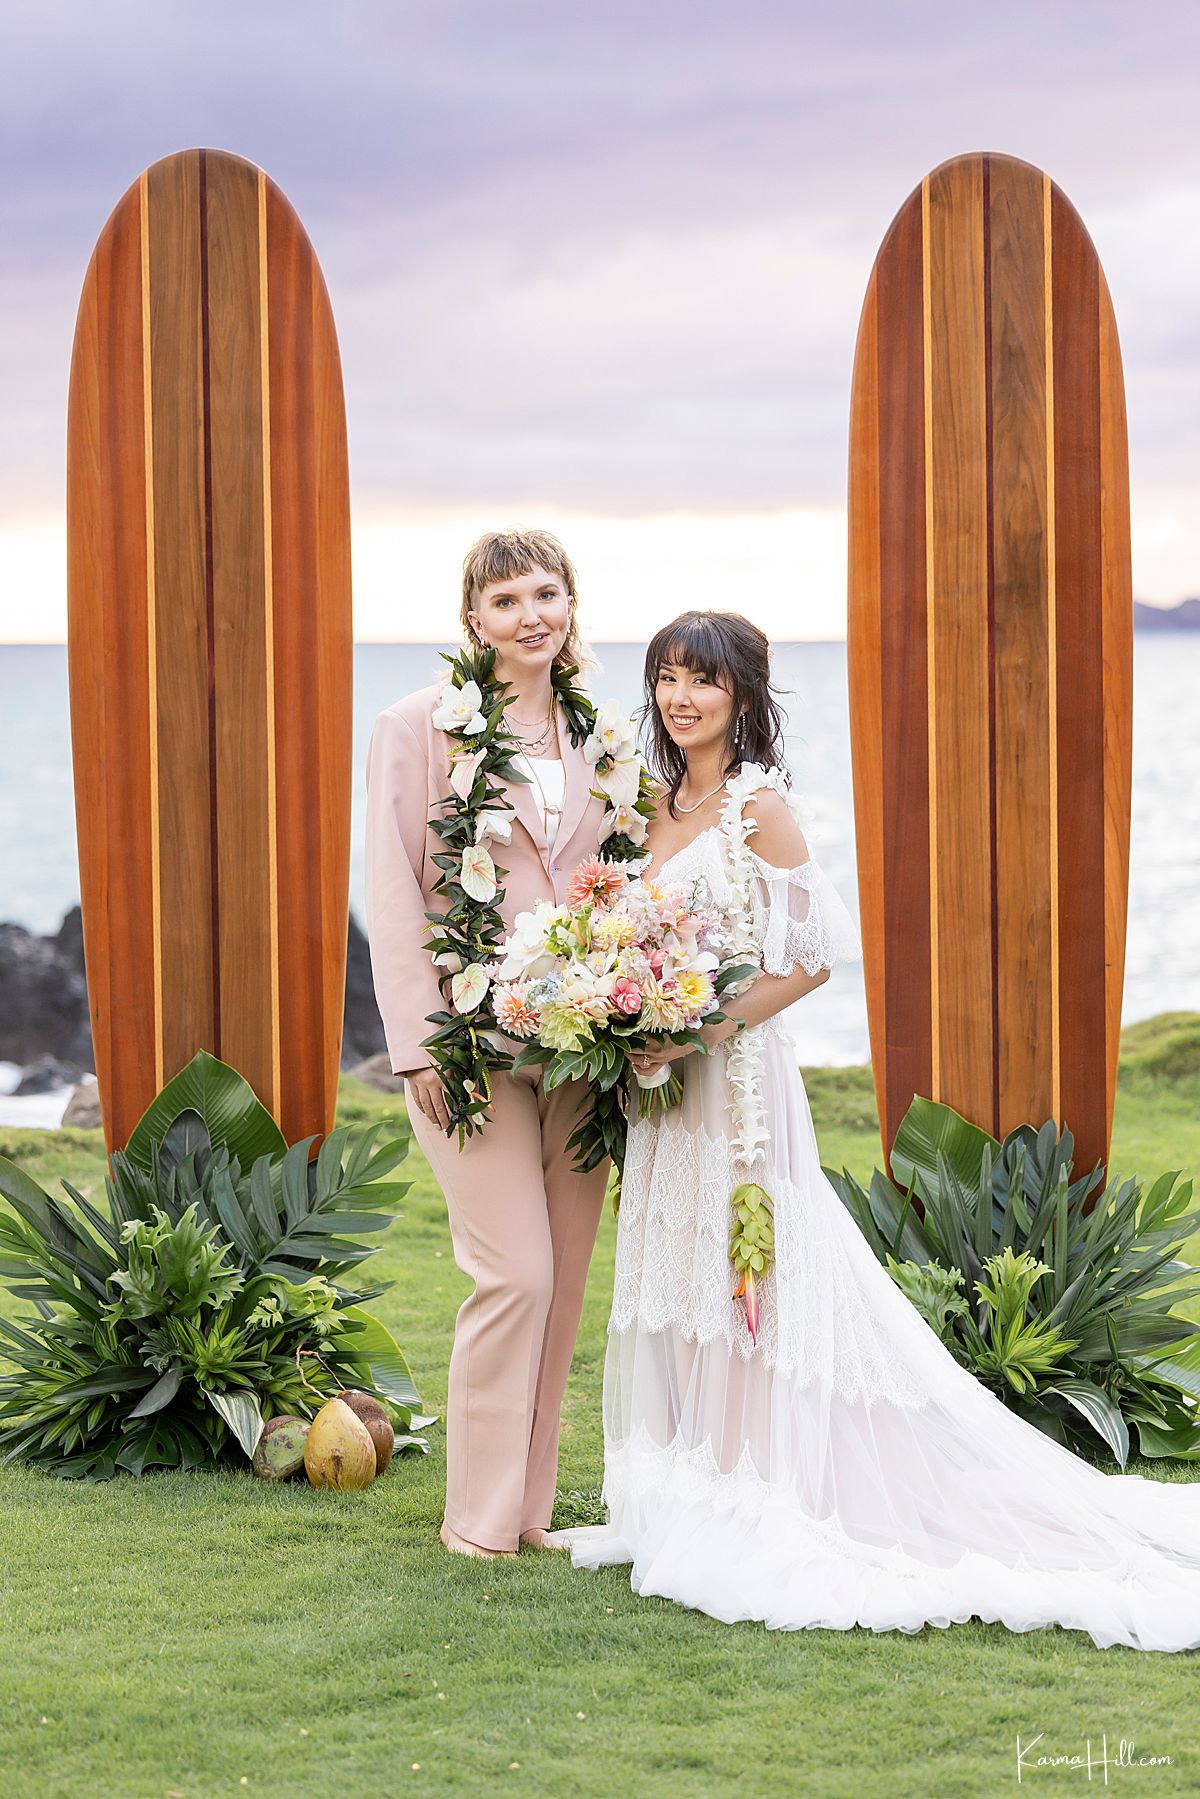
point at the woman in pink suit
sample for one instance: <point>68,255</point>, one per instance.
<point>523,1223</point>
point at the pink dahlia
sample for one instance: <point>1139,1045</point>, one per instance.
<point>594,880</point>
<point>513,1013</point>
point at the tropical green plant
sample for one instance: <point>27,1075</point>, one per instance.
<point>220,1288</point>
<point>1057,1294</point>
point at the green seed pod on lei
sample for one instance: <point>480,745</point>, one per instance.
<point>751,1245</point>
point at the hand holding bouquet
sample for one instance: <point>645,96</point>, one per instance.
<point>592,983</point>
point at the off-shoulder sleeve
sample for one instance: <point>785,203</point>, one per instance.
<point>806,924</point>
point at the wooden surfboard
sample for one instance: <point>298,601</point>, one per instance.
<point>210,643</point>
<point>990,643</point>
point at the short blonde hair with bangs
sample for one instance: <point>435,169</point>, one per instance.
<point>502,556</point>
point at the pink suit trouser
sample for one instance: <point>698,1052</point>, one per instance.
<point>523,1225</point>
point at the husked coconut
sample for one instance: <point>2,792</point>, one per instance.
<point>280,1451</point>
<point>377,1422</point>
<point>340,1451</point>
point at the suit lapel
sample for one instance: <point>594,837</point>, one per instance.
<point>523,797</point>
<point>577,791</point>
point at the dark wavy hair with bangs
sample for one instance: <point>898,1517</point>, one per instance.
<point>737,656</point>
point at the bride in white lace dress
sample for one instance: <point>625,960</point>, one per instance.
<point>843,1469</point>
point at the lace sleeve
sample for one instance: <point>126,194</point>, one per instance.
<point>806,924</point>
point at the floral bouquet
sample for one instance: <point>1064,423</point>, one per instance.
<point>587,985</point>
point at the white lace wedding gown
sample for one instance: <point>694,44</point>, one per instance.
<point>846,1470</point>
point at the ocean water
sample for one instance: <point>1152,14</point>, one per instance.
<point>39,871</point>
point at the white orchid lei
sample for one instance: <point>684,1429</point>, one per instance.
<point>751,1241</point>
<point>465,935</point>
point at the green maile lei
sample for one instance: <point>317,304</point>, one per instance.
<point>466,933</point>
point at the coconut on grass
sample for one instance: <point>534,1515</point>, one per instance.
<point>377,1422</point>
<point>340,1451</point>
<point>280,1451</point>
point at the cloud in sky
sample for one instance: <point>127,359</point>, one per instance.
<point>604,261</point>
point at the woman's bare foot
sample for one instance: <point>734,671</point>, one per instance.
<point>460,1546</point>
<point>543,1539</point>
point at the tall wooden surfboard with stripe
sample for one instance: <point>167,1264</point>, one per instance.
<point>210,643</point>
<point>990,651</point>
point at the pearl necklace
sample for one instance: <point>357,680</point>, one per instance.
<point>680,807</point>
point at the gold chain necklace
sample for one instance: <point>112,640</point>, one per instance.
<point>548,810</point>
<point>532,744</point>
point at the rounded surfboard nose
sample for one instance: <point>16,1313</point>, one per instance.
<point>210,643</point>
<point>990,644</point>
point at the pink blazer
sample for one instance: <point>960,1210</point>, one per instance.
<point>408,771</point>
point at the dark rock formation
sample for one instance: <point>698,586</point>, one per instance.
<point>362,1034</point>
<point>83,1109</point>
<point>376,1072</point>
<point>45,1073</point>
<point>69,938</point>
<point>44,1011</point>
<point>43,999</point>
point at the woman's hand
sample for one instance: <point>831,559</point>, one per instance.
<point>424,1086</point>
<point>656,1055</point>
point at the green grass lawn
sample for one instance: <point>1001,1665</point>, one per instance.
<point>199,1635</point>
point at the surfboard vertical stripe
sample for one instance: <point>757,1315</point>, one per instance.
<point>332,586</point>
<point>210,611</point>
<point>1117,615</point>
<point>241,649</point>
<point>308,481</point>
<point>1078,583</point>
<point>108,556</point>
<point>1022,744</point>
<point>904,659</point>
<point>935,997</point>
<point>1052,656</point>
<point>957,553</point>
<point>151,632</point>
<point>180,677</point>
<point>863,668</point>
<point>264,314</point>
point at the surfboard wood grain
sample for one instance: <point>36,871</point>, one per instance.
<point>209,618</point>
<point>990,652</point>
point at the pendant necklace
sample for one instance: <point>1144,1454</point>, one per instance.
<point>548,810</point>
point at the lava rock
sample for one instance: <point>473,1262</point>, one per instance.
<point>45,1073</point>
<point>376,1072</point>
<point>44,1010</point>
<point>362,1030</point>
<point>83,1109</point>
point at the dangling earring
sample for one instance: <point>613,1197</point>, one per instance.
<point>741,730</point>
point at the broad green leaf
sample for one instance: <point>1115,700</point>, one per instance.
<point>232,1113</point>
<point>1095,1405</point>
<point>1181,1440</point>
<point>243,1415</point>
<point>929,1129</point>
<point>161,1393</point>
<point>372,1343</point>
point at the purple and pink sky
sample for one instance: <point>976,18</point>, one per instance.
<point>599,266</point>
